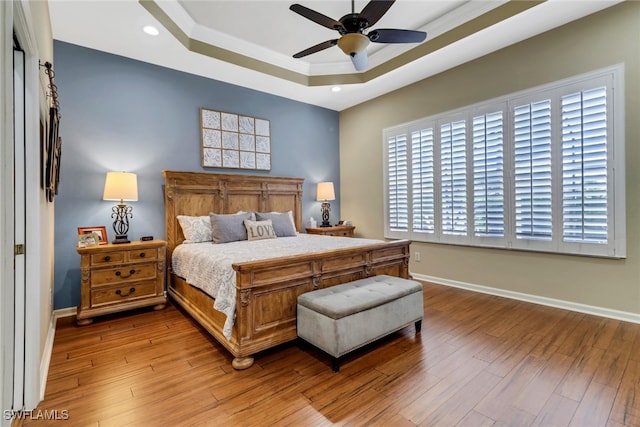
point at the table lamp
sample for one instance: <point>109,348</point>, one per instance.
<point>121,186</point>
<point>325,193</point>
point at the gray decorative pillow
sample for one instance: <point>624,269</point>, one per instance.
<point>282,222</point>
<point>258,230</point>
<point>229,228</point>
<point>196,229</point>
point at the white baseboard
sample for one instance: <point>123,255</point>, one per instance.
<point>551,302</point>
<point>48,345</point>
<point>65,312</point>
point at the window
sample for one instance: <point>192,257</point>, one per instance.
<point>541,169</point>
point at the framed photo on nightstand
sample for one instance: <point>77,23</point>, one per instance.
<point>100,231</point>
<point>87,240</point>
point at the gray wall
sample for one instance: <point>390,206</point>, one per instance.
<point>121,114</point>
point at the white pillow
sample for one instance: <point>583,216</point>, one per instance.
<point>258,230</point>
<point>196,229</point>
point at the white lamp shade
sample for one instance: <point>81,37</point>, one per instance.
<point>121,186</point>
<point>325,191</point>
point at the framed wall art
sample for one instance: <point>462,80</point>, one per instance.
<point>234,141</point>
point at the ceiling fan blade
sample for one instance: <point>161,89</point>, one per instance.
<point>316,48</point>
<point>374,10</point>
<point>316,17</point>
<point>396,36</point>
<point>360,60</point>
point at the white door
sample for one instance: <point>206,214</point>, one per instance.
<point>19,235</point>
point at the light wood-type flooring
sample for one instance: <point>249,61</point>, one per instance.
<point>480,360</point>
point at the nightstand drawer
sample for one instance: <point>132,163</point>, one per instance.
<point>108,258</point>
<point>143,255</point>
<point>125,292</point>
<point>125,273</point>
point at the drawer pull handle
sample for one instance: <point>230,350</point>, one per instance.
<point>131,290</point>
<point>107,258</point>
<point>131,273</point>
<point>142,255</point>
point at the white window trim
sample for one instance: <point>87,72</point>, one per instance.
<point>613,78</point>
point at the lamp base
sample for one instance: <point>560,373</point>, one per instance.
<point>120,238</point>
<point>325,208</point>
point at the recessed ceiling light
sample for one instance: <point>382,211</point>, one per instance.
<point>151,30</point>
<point>336,89</point>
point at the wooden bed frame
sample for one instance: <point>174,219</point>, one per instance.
<point>266,291</point>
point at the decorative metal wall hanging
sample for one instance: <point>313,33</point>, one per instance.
<point>234,141</point>
<point>52,149</point>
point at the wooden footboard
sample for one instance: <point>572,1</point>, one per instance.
<point>267,292</point>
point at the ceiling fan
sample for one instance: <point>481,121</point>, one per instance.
<point>353,40</point>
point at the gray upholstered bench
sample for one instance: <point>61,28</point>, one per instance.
<point>345,317</point>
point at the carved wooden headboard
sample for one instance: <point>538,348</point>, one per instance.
<point>198,193</point>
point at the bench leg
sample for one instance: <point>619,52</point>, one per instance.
<point>418,326</point>
<point>302,344</point>
<point>336,364</point>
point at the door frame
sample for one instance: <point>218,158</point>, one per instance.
<point>16,16</point>
<point>35,98</point>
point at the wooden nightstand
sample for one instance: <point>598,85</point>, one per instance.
<point>121,277</point>
<point>336,230</point>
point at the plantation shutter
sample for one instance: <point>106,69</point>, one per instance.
<point>532,171</point>
<point>541,169</point>
<point>423,195</point>
<point>398,181</point>
<point>454,178</point>
<point>584,166</point>
<point>488,175</point>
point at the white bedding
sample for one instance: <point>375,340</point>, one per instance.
<point>194,262</point>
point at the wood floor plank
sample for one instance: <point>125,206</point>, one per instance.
<point>584,335</point>
<point>595,406</point>
<point>557,411</point>
<point>535,394</point>
<point>503,398</point>
<point>508,361</point>
<point>417,410</point>
<point>626,406</point>
<point>613,363</point>
<point>579,376</point>
<point>475,419</point>
<point>455,408</point>
<point>480,360</point>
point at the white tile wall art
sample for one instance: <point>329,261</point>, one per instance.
<point>234,141</point>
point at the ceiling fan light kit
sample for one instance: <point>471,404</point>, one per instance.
<point>353,41</point>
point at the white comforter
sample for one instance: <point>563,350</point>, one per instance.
<point>208,266</point>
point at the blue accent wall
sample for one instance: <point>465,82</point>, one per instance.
<point>127,115</point>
